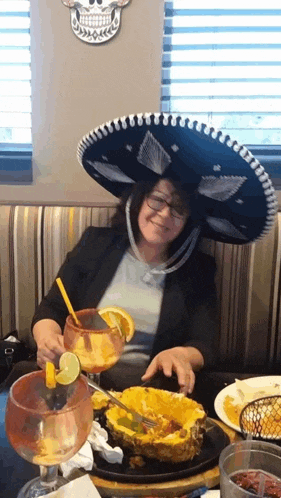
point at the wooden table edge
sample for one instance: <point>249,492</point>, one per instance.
<point>209,478</point>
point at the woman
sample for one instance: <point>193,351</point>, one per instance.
<point>175,313</point>
<point>185,181</point>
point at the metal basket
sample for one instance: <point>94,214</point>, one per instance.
<point>261,419</point>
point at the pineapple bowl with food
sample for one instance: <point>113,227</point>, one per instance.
<point>178,435</point>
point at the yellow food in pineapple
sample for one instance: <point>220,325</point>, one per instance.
<point>178,436</point>
<point>116,316</point>
<point>100,401</point>
<point>50,375</point>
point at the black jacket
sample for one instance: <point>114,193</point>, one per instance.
<point>188,313</point>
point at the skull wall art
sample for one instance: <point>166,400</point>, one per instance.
<point>95,21</point>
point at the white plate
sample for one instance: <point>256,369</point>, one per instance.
<point>231,391</point>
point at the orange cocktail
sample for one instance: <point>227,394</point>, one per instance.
<point>97,349</point>
<point>44,436</point>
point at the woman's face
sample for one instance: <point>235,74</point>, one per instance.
<point>161,227</point>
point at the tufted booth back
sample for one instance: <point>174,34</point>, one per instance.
<point>35,239</point>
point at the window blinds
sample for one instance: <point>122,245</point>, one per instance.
<point>15,74</point>
<point>222,66</point>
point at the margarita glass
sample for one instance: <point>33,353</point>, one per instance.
<point>98,349</point>
<point>47,437</point>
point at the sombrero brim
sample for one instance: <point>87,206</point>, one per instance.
<point>238,197</point>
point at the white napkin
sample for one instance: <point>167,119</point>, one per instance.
<point>82,486</point>
<point>212,493</point>
<point>84,459</point>
<point>98,438</point>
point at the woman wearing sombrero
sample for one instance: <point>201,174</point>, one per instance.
<point>178,181</point>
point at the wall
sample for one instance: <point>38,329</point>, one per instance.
<point>78,86</point>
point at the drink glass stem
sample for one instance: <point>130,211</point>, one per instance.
<point>48,475</point>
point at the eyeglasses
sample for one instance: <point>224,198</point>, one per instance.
<point>158,203</point>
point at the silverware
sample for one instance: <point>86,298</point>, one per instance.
<point>137,417</point>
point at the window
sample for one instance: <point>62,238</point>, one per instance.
<point>15,91</point>
<point>222,67</point>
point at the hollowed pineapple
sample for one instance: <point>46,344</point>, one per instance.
<point>181,424</point>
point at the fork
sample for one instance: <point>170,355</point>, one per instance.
<point>137,416</point>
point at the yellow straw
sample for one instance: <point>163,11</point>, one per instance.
<point>67,302</point>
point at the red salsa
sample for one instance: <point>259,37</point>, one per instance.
<point>250,481</point>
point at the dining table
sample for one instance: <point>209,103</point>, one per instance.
<point>209,478</point>
<point>15,472</point>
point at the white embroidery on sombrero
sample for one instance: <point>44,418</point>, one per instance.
<point>110,171</point>
<point>225,227</point>
<point>153,155</point>
<point>220,188</point>
<point>244,151</point>
<point>263,177</point>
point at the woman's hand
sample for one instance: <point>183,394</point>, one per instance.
<point>50,344</point>
<point>181,360</point>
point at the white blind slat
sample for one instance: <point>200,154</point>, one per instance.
<point>15,56</point>
<point>234,72</point>
<point>15,88</point>
<point>226,55</point>
<point>223,89</point>
<point>16,72</point>
<point>224,21</point>
<point>7,22</point>
<point>13,104</point>
<point>14,39</point>
<point>15,135</point>
<point>18,119</point>
<point>232,38</point>
<point>214,105</point>
<point>15,6</point>
<point>221,4</point>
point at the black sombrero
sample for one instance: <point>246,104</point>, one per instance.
<point>237,194</point>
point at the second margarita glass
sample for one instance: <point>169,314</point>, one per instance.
<point>97,349</point>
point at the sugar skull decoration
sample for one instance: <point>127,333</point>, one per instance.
<point>95,21</point>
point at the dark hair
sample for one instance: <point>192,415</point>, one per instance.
<point>139,192</point>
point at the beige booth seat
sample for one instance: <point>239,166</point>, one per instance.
<point>35,239</point>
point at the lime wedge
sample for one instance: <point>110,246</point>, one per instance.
<point>70,368</point>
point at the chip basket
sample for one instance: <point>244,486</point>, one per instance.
<point>261,419</point>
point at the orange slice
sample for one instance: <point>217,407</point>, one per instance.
<point>69,368</point>
<point>50,375</point>
<point>115,316</point>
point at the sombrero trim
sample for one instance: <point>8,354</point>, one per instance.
<point>175,120</point>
